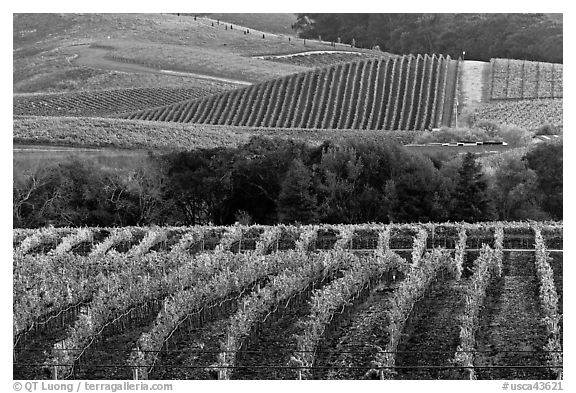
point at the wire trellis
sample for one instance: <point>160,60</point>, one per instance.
<point>293,367</point>
<point>289,350</point>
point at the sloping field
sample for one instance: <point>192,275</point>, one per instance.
<point>403,93</point>
<point>137,134</point>
<point>80,78</point>
<point>521,79</point>
<point>268,22</point>
<point>199,60</point>
<point>108,102</point>
<point>46,48</point>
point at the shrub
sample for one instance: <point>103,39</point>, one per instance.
<point>490,127</point>
<point>547,129</point>
<point>515,136</point>
<point>452,135</point>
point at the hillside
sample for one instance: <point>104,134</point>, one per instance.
<point>402,93</point>
<point>70,52</point>
<point>268,22</point>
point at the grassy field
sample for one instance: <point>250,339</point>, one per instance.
<point>270,22</point>
<point>85,79</point>
<point>28,159</point>
<point>199,59</point>
<point>45,56</point>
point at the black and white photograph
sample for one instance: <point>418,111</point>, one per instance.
<point>356,195</point>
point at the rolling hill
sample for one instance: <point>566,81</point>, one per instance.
<point>71,52</point>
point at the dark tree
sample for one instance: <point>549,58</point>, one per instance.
<point>72,193</point>
<point>296,202</point>
<point>546,160</point>
<point>470,201</point>
<point>535,37</point>
<point>418,188</point>
<point>338,185</point>
<point>260,168</point>
<point>514,189</point>
<point>200,185</point>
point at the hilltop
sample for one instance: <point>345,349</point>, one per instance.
<point>71,52</point>
<point>268,22</point>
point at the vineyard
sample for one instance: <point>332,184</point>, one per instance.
<point>528,114</point>
<point>137,134</point>
<point>399,301</point>
<point>400,93</point>
<point>521,79</point>
<point>108,102</point>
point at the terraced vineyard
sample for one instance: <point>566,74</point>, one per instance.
<point>449,301</point>
<point>107,102</point>
<point>400,93</point>
<point>521,79</point>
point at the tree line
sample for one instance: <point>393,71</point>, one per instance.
<point>536,37</point>
<point>269,181</point>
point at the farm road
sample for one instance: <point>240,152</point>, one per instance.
<point>96,58</point>
<point>474,89</point>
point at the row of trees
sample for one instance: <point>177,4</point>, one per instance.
<point>535,37</point>
<point>269,181</point>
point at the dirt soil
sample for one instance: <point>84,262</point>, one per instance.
<point>114,349</point>
<point>190,355</point>
<point>38,346</point>
<point>433,333</point>
<point>510,332</point>
<point>272,346</point>
<point>351,344</point>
